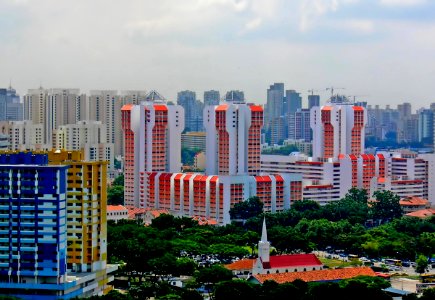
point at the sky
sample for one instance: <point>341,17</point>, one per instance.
<point>380,51</point>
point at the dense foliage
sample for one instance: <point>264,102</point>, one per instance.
<point>171,246</point>
<point>115,192</point>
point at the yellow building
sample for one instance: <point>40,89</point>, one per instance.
<point>86,210</point>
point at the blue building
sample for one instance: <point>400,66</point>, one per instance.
<point>33,231</point>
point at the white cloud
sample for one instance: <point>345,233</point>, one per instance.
<point>402,2</point>
<point>312,10</point>
<point>253,24</point>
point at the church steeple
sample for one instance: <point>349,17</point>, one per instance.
<point>264,245</point>
<point>264,232</point>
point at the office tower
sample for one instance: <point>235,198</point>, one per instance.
<point>211,97</point>
<point>299,125</point>
<point>235,96</point>
<point>313,100</point>
<point>152,141</point>
<point>294,101</point>
<point>425,126</point>
<point>233,138</point>
<point>105,106</point>
<point>24,135</point>
<point>11,109</point>
<point>192,110</point>
<point>278,130</point>
<point>54,107</point>
<point>87,135</point>
<point>275,102</point>
<point>337,129</point>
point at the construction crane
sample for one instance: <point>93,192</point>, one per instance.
<point>312,91</point>
<point>354,96</point>
<point>332,90</point>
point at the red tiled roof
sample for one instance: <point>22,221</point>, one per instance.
<point>358,108</point>
<point>222,107</point>
<point>319,275</point>
<point>422,214</point>
<point>294,260</point>
<point>160,107</point>
<point>417,201</point>
<point>243,264</point>
<point>115,208</point>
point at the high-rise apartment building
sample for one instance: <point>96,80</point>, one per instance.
<point>24,135</point>
<point>152,141</point>
<point>233,139</point>
<point>338,129</point>
<point>299,125</point>
<point>105,106</point>
<point>211,97</point>
<point>89,136</point>
<point>54,107</point>
<point>53,241</point>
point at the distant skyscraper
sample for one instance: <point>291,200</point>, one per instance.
<point>152,142</point>
<point>105,106</point>
<point>24,135</point>
<point>275,102</point>
<point>425,126</point>
<point>338,129</point>
<point>235,96</point>
<point>211,97</point>
<point>192,110</point>
<point>294,101</point>
<point>54,107</point>
<point>313,100</point>
<point>300,127</point>
<point>11,109</point>
<point>233,139</point>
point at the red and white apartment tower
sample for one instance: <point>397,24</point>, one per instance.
<point>152,143</point>
<point>233,138</point>
<point>338,129</point>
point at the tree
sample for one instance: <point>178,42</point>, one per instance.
<point>249,208</point>
<point>119,180</point>
<point>422,264</point>
<point>115,195</point>
<point>210,276</point>
<point>386,207</point>
<point>234,289</point>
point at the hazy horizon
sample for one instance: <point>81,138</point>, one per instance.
<point>381,51</point>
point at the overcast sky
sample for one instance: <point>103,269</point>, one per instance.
<point>382,51</point>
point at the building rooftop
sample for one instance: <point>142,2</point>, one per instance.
<point>422,213</point>
<point>319,275</point>
<point>292,260</point>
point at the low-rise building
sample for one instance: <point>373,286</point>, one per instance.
<point>116,213</point>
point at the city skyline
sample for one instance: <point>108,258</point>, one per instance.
<point>382,49</point>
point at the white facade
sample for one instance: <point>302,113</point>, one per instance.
<point>322,181</point>
<point>24,135</point>
<point>89,136</point>
<point>342,118</point>
<point>116,213</point>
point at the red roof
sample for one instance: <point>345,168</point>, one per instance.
<point>222,107</point>
<point>327,108</point>
<point>243,264</point>
<point>422,214</point>
<point>358,108</point>
<point>294,260</point>
<point>415,201</point>
<point>160,107</point>
<point>256,108</point>
<point>319,275</point>
<point>127,107</point>
<point>115,208</point>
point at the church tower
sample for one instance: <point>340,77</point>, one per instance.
<point>264,246</point>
